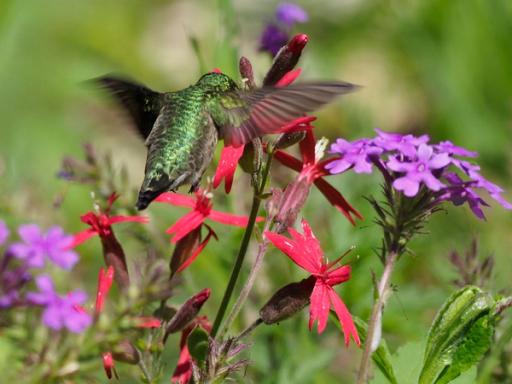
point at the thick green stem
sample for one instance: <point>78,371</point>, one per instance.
<point>256,202</point>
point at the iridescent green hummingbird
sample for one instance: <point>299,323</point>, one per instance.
<point>181,128</point>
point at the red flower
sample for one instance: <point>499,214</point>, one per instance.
<point>183,372</point>
<point>100,223</point>
<point>201,210</point>
<point>312,170</point>
<point>105,279</point>
<point>304,250</point>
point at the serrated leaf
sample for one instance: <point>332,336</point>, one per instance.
<point>460,335</point>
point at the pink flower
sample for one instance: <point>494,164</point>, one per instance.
<point>304,250</point>
<point>312,170</point>
<point>108,364</point>
<point>101,223</point>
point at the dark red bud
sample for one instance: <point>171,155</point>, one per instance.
<point>184,248</point>
<point>246,72</point>
<point>187,312</point>
<point>286,59</point>
<point>113,254</point>
<point>298,42</point>
<point>287,301</point>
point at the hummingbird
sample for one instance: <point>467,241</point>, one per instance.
<point>181,128</point>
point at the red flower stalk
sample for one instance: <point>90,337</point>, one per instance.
<point>311,171</point>
<point>101,225</point>
<point>105,279</point>
<point>183,372</point>
<point>305,251</point>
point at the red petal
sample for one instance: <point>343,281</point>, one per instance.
<point>176,199</point>
<point>148,322</point>
<point>229,219</point>
<point>216,70</point>
<point>288,78</point>
<point>80,237</point>
<point>300,124</point>
<point>183,372</point>
<point>337,199</point>
<point>185,225</point>
<point>307,147</point>
<point>288,160</point>
<point>338,276</point>
<point>293,251</point>
<point>349,329</point>
<point>196,252</point>
<point>319,306</point>
<point>227,166</point>
<point>111,199</point>
<point>126,219</point>
<point>105,279</point>
<point>310,247</point>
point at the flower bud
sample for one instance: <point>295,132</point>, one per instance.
<point>246,72</point>
<point>286,59</point>
<point>125,352</point>
<point>187,312</point>
<point>287,301</point>
<point>184,248</point>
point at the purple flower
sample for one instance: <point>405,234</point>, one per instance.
<point>459,192</point>
<point>4,232</point>
<point>37,246</point>
<point>419,170</point>
<point>11,281</point>
<point>452,149</point>
<point>60,311</point>
<point>357,154</point>
<point>289,14</point>
<point>272,39</point>
<point>494,190</point>
<point>404,144</point>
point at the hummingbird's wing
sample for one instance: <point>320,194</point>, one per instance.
<point>245,115</point>
<point>142,104</point>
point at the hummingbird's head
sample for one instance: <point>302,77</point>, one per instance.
<point>217,82</point>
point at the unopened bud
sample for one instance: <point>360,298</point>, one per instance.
<point>293,200</point>
<point>246,72</point>
<point>125,352</point>
<point>184,249</point>
<point>187,312</point>
<point>286,59</point>
<point>287,301</point>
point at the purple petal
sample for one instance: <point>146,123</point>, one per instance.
<point>338,166</point>
<point>439,161</point>
<point>272,39</point>
<point>45,284</point>
<point>399,166</point>
<point>409,186</point>
<point>52,317</point>
<point>289,14</point>
<point>77,321</point>
<point>431,182</point>
<point>425,152</point>
<point>30,233</point>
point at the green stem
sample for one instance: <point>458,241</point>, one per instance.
<point>256,202</point>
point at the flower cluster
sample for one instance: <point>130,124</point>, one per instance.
<point>414,166</point>
<point>277,33</point>
<point>35,248</point>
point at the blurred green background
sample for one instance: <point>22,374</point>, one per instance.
<point>438,67</point>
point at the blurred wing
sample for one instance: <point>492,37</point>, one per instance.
<point>267,109</point>
<point>142,104</point>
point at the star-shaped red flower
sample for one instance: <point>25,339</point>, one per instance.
<point>101,223</point>
<point>313,170</point>
<point>305,251</point>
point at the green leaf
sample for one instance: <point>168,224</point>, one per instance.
<point>381,357</point>
<point>459,337</point>
<point>197,343</point>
